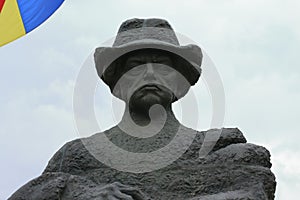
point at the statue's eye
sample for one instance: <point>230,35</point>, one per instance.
<point>132,62</point>
<point>135,71</point>
<point>164,70</point>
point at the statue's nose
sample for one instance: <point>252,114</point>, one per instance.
<point>149,73</point>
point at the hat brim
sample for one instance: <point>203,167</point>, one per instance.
<point>105,56</point>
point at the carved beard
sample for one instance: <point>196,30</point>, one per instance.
<point>145,97</point>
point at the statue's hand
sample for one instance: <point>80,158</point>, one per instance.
<point>226,136</point>
<point>71,187</point>
<point>239,154</point>
<point>118,191</point>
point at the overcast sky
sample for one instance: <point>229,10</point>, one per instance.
<point>254,44</point>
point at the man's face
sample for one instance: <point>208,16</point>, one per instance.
<point>148,78</point>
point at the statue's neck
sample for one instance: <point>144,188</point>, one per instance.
<point>156,113</point>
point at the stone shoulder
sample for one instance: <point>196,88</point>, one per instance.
<point>72,158</point>
<point>231,148</point>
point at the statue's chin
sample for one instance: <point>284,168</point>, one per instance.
<point>144,103</point>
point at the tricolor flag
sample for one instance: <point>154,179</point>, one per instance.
<point>19,17</point>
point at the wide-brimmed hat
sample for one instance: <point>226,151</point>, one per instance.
<point>144,34</point>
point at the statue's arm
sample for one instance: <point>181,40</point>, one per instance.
<point>63,180</point>
<point>63,186</point>
<point>229,146</point>
<point>249,174</point>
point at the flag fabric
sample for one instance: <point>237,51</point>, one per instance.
<point>19,17</point>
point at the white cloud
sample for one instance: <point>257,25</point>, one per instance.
<point>34,124</point>
<point>286,165</point>
<point>288,162</point>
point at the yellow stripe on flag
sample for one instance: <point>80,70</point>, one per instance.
<point>11,24</point>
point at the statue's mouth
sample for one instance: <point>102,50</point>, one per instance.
<point>150,87</point>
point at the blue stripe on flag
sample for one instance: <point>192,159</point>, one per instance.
<point>35,12</point>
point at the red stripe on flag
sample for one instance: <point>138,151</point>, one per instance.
<point>1,4</point>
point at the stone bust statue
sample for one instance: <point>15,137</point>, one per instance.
<point>148,69</point>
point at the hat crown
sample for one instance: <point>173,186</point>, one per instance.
<point>133,30</point>
<point>141,23</point>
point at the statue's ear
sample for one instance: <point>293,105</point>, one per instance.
<point>117,92</point>
<point>182,90</point>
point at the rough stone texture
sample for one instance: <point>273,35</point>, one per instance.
<point>233,170</point>
<point>66,186</point>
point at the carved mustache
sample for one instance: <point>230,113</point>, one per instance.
<point>150,86</point>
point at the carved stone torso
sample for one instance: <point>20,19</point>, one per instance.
<point>233,165</point>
